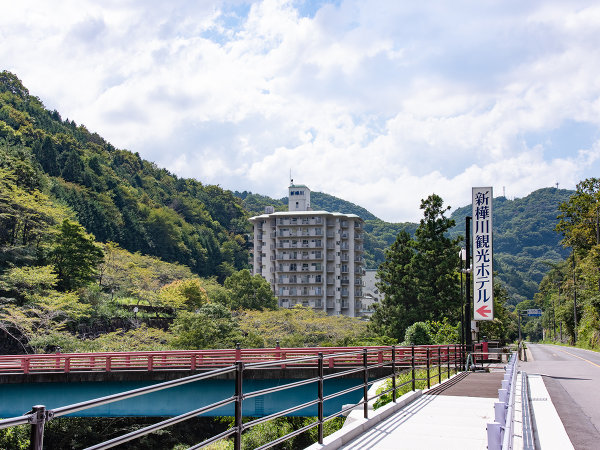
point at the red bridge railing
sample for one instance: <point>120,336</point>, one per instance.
<point>207,359</point>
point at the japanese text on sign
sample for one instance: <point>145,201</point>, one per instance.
<point>483,297</point>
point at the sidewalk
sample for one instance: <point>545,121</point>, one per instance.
<point>451,415</point>
<point>432,421</point>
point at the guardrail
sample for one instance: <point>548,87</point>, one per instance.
<point>500,432</point>
<point>400,360</point>
<point>182,359</point>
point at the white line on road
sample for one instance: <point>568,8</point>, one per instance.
<point>586,360</point>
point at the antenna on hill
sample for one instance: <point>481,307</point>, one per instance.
<point>557,185</point>
<point>504,191</point>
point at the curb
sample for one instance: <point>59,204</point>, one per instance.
<point>549,429</point>
<point>359,426</point>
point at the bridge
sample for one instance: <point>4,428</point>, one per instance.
<point>318,382</point>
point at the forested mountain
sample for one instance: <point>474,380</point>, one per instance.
<point>569,294</point>
<point>526,246</point>
<point>255,204</point>
<point>102,250</point>
<point>525,243</point>
<point>118,196</point>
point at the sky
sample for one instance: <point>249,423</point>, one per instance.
<point>381,103</point>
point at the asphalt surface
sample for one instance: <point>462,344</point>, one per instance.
<point>471,384</point>
<point>572,378</point>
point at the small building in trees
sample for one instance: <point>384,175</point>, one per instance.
<point>371,293</point>
<point>310,258</point>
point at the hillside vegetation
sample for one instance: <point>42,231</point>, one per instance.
<point>118,196</point>
<point>102,250</point>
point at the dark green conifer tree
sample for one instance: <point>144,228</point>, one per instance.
<point>419,277</point>
<point>398,308</point>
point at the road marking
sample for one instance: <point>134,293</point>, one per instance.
<point>586,360</point>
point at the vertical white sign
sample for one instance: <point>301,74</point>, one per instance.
<point>483,296</point>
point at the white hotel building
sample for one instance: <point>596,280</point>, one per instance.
<point>311,258</point>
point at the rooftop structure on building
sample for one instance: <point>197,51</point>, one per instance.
<point>310,258</point>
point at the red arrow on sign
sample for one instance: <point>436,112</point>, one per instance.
<point>483,311</point>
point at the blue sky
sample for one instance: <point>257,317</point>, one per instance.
<point>381,103</point>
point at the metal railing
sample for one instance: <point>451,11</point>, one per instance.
<point>170,360</point>
<point>500,432</point>
<point>352,361</point>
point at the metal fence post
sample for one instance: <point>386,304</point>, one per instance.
<point>365,385</point>
<point>320,393</point>
<point>239,374</point>
<point>448,359</point>
<point>439,364</point>
<point>37,421</point>
<point>494,436</point>
<point>428,372</point>
<point>412,363</point>
<point>394,373</point>
<point>455,360</point>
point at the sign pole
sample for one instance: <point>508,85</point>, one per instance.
<point>468,337</point>
<point>462,301</point>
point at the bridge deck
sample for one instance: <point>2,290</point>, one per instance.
<point>432,421</point>
<point>452,415</point>
<point>471,384</point>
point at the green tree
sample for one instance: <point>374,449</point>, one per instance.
<point>435,263</point>
<point>250,292</point>
<point>16,438</point>
<point>23,283</point>
<point>418,334</point>
<point>579,219</point>
<point>37,314</point>
<point>142,338</point>
<point>75,256</point>
<point>418,277</point>
<point>73,168</point>
<point>27,217</point>
<point>443,332</point>
<point>211,326</point>
<point>301,327</point>
<point>47,157</point>
<point>398,308</point>
<point>183,294</point>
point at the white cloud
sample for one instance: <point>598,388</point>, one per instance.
<point>381,103</point>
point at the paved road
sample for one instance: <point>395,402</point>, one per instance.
<point>572,377</point>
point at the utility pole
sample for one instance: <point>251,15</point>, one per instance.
<point>574,302</point>
<point>598,238</point>
<point>468,337</point>
<point>519,342</point>
<point>554,316</point>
